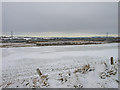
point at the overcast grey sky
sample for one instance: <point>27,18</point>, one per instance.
<point>60,19</point>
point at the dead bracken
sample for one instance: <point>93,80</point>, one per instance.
<point>84,69</point>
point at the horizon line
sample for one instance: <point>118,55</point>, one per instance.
<point>60,36</point>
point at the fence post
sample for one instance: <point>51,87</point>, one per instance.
<point>111,60</point>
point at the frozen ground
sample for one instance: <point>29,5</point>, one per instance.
<point>77,66</point>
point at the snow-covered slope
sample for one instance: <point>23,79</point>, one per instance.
<point>82,66</point>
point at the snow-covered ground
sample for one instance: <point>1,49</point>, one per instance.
<point>82,66</point>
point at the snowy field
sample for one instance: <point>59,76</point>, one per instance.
<point>72,66</point>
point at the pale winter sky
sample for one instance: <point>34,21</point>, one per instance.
<point>60,19</point>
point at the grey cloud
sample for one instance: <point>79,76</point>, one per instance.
<point>60,17</point>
